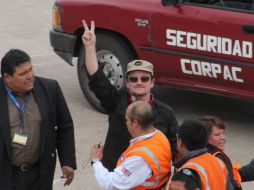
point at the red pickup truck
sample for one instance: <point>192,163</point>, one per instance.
<point>205,45</point>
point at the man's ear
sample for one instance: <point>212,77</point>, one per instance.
<point>181,143</point>
<point>6,76</point>
<point>126,82</point>
<point>153,81</point>
<point>136,123</point>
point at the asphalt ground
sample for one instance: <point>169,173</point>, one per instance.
<point>26,24</point>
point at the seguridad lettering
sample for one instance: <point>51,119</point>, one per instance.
<point>201,68</point>
<point>209,43</point>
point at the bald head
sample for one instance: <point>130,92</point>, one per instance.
<point>142,112</point>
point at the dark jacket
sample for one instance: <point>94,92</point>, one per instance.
<point>247,172</point>
<point>57,133</point>
<point>115,103</point>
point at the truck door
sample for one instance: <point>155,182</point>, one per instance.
<point>206,45</point>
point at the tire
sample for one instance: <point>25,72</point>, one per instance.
<point>113,54</point>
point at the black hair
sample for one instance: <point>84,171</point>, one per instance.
<point>193,135</point>
<point>191,182</point>
<point>12,59</point>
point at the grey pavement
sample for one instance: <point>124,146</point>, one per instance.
<point>25,24</point>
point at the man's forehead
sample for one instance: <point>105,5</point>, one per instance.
<point>23,67</point>
<point>177,185</point>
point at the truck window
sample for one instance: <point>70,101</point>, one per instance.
<point>246,5</point>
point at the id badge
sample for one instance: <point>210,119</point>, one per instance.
<point>20,139</point>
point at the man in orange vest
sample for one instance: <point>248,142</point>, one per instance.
<point>191,143</point>
<point>146,163</point>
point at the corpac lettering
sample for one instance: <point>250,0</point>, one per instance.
<point>212,70</point>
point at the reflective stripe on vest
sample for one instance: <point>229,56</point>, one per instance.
<point>202,170</point>
<point>150,153</point>
<point>222,168</point>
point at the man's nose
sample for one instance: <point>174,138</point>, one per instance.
<point>139,81</point>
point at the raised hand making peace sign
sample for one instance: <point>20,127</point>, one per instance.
<point>89,41</point>
<point>88,38</point>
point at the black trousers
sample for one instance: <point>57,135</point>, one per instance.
<point>26,180</point>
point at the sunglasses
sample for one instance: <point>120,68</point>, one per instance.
<point>135,79</point>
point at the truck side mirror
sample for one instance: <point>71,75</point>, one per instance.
<point>169,2</point>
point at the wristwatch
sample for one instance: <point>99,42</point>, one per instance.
<point>93,161</point>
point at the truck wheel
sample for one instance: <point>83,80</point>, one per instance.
<point>114,54</point>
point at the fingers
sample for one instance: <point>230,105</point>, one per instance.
<point>92,26</point>
<point>96,151</point>
<point>101,147</point>
<point>98,146</point>
<point>86,26</point>
<point>68,173</point>
<point>69,179</point>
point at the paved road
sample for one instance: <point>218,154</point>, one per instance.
<point>25,25</point>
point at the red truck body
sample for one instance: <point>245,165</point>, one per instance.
<point>192,44</point>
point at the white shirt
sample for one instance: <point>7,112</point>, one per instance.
<point>133,172</point>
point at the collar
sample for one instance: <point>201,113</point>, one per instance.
<point>212,149</point>
<point>7,88</point>
<point>188,156</point>
<point>142,137</point>
<point>132,98</point>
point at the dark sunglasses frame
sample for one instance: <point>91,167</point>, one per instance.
<point>135,79</point>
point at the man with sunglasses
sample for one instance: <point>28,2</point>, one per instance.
<point>139,82</point>
<point>185,179</point>
<point>192,139</point>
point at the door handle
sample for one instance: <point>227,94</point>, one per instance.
<point>249,29</point>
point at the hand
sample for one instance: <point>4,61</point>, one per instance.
<point>68,173</point>
<point>89,38</point>
<point>96,151</point>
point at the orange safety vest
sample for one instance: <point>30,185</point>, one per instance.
<point>211,170</point>
<point>237,177</point>
<point>235,167</point>
<point>156,152</point>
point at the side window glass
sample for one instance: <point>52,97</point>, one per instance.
<point>240,5</point>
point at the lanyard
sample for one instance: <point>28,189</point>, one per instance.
<point>20,107</point>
